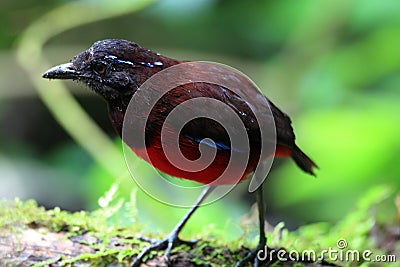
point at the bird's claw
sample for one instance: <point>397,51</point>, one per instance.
<point>168,243</point>
<point>252,257</point>
<point>147,239</point>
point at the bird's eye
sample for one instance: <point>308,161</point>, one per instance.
<point>100,67</point>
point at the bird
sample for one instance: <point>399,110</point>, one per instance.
<point>117,69</point>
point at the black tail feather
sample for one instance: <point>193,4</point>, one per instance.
<point>303,161</point>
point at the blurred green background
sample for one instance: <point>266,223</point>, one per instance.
<point>333,66</point>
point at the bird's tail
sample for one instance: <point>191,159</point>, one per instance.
<point>303,161</point>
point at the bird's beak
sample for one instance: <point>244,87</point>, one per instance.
<point>63,71</point>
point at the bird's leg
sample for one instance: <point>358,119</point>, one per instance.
<point>172,239</point>
<point>252,256</point>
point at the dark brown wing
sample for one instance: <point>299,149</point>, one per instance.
<point>205,128</point>
<point>206,125</point>
<point>247,99</point>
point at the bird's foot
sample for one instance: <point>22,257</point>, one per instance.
<point>254,256</point>
<point>172,240</point>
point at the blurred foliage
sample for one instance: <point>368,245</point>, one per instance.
<point>333,66</point>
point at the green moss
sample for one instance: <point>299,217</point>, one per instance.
<point>116,242</point>
<point>16,216</point>
<point>355,230</point>
<point>17,213</point>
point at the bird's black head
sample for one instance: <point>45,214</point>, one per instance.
<point>113,68</point>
